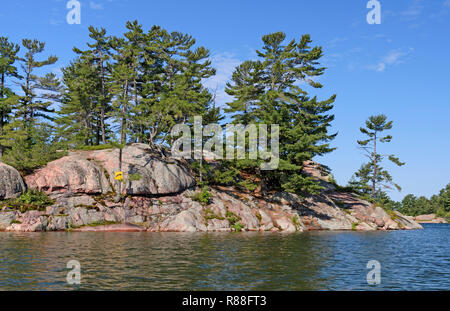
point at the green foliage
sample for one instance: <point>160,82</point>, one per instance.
<point>438,204</point>
<point>372,178</point>
<point>202,197</point>
<point>29,200</point>
<point>134,177</point>
<point>258,215</point>
<point>36,151</point>
<point>209,214</point>
<point>270,91</point>
<point>225,175</point>
<point>237,227</point>
<point>8,100</point>
<point>84,110</point>
<point>35,197</point>
<point>234,219</point>
<point>34,105</point>
<point>296,221</point>
<point>248,185</point>
<point>102,223</point>
<point>135,87</point>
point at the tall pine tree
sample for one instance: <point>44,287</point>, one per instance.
<point>372,177</point>
<point>271,91</point>
<point>8,100</point>
<point>35,105</point>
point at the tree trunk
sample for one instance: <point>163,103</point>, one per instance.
<point>2,116</point>
<point>102,104</point>
<point>374,177</point>
<point>97,134</point>
<point>123,135</point>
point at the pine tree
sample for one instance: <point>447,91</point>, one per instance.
<point>444,200</point>
<point>125,76</point>
<point>372,177</point>
<point>171,91</point>
<point>269,91</point>
<point>8,100</point>
<point>30,140</point>
<point>77,116</point>
<point>135,40</point>
<point>35,105</point>
<point>99,56</point>
<point>246,89</point>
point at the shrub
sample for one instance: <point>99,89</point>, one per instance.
<point>237,227</point>
<point>30,200</point>
<point>28,153</point>
<point>296,221</point>
<point>209,214</point>
<point>248,185</point>
<point>134,177</point>
<point>202,197</point>
<point>234,219</point>
<point>35,197</point>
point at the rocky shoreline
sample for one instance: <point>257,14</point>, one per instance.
<point>158,196</point>
<point>430,218</point>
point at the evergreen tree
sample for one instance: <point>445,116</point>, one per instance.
<point>443,202</point>
<point>99,56</point>
<point>172,90</point>
<point>269,91</point>
<point>78,121</point>
<point>35,150</point>
<point>246,89</point>
<point>372,177</point>
<point>8,100</point>
<point>125,75</point>
<point>35,105</point>
<point>31,140</point>
<point>438,204</point>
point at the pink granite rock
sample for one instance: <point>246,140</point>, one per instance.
<point>70,174</point>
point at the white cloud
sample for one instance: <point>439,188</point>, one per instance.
<point>393,57</point>
<point>380,67</point>
<point>95,6</point>
<point>224,63</point>
<point>446,4</point>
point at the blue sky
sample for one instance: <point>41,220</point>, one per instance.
<point>399,67</point>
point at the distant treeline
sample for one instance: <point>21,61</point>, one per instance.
<point>438,204</point>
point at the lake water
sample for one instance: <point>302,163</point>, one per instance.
<point>410,260</point>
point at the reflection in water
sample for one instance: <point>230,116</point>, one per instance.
<point>226,261</point>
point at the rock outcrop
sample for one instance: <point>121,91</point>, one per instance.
<point>11,183</point>
<point>92,172</point>
<point>430,218</point>
<point>159,197</point>
<point>73,174</point>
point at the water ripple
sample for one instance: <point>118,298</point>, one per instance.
<point>410,260</point>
